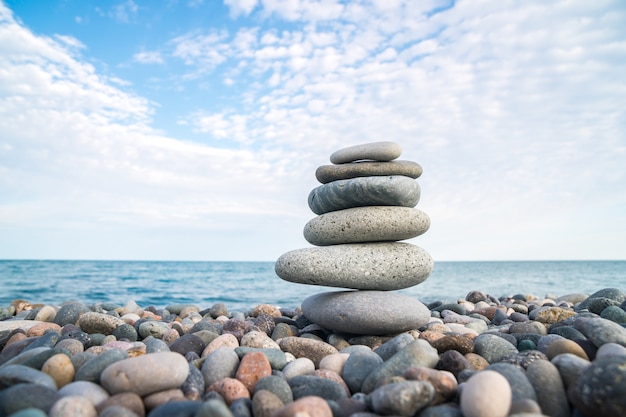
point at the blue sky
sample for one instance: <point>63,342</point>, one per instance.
<point>191,130</point>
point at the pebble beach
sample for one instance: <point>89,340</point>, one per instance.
<point>480,356</point>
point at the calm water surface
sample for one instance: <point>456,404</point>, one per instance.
<point>243,285</point>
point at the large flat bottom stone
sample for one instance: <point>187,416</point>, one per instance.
<point>364,266</point>
<point>365,312</point>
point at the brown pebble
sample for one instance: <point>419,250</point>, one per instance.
<point>152,401</point>
<point>445,382</point>
<point>46,313</point>
<point>551,315</point>
<point>230,388</point>
<point>127,400</point>
<point>283,330</point>
<point>478,362</point>
<point>71,345</point>
<point>309,406</point>
<point>40,328</point>
<point>253,366</point>
<point>265,403</point>
<point>334,362</point>
<point>21,305</point>
<point>266,309</point>
<point>16,337</point>
<point>560,346</point>
<point>224,340</point>
<point>117,411</point>
<point>170,335</point>
<point>332,376</point>
<point>454,341</point>
<point>60,368</point>
<point>308,348</point>
<point>431,336</point>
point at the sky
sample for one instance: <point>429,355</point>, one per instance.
<point>191,129</point>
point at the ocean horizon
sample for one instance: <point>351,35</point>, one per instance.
<point>241,285</point>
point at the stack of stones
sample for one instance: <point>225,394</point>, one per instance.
<point>365,207</point>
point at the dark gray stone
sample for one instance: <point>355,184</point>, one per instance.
<point>548,385</point>
<point>187,343</point>
<point>614,313</point>
<point>402,398</point>
<point>125,331</point>
<point>599,390</point>
<point>176,409</point>
<point>601,331</point>
<point>20,374</point>
<point>393,190</point>
<point>391,347</point>
<point>91,370</point>
<point>69,313</point>
<point>23,396</point>
<point>219,364</point>
<point>613,294</point>
<point>305,385</point>
<point>365,312</point>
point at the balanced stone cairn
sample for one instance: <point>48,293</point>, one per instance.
<point>365,207</point>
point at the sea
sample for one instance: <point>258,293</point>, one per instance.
<point>243,285</point>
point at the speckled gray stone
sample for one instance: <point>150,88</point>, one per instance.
<point>366,224</point>
<point>365,312</point>
<point>329,173</point>
<point>599,390</point>
<point>601,331</point>
<point>392,190</point>
<point>365,266</point>
<point>547,383</point>
<point>376,151</point>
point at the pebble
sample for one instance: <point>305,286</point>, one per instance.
<point>146,374</point>
<point>376,151</point>
<point>311,406</point>
<point>60,368</point>
<point>73,406</point>
<point>253,366</point>
<point>600,388</point>
<point>329,173</point>
<point>391,190</point>
<point>365,312</point>
<point>93,322</point>
<point>363,266</point>
<point>92,369</point>
<point>486,394</point>
<point>366,224</point>
<point>404,398</point>
<point>575,369</point>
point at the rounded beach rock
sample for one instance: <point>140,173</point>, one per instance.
<point>364,266</point>
<point>486,394</point>
<point>392,190</point>
<point>146,374</point>
<point>376,151</point>
<point>365,312</point>
<point>600,388</point>
<point>93,322</point>
<point>366,224</point>
<point>329,173</point>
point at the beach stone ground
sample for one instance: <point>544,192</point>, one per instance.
<point>463,358</point>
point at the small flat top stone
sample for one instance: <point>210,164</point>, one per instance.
<point>376,151</point>
<point>329,173</point>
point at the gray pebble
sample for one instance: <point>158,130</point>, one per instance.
<point>309,385</point>
<point>402,398</point>
<point>548,385</point>
<point>521,387</point>
<point>91,370</point>
<point>219,364</point>
<point>23,396</point>
<point>19,374</point>
<point>276,385</point>
<point>600,388</point>
<point>94,392</point>
<point>493,348</point>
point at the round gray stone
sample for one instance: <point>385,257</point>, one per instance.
<point>547,383</point>
<point>329,173</point>
<point>364,266</point>
<point>599,391</point>
<point>366,224</point>
<point>365,312</point>
<point>391,190</point>
<point>376,151</point>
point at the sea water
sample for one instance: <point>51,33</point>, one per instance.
<point>243,285</point>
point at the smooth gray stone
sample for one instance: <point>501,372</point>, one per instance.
<point>362,266</point>
<point>329,173</point>
<point>418,353</point>
<point>22,396</point>
<point>612,294</point>
<point>366,224</point>
<point>601,331</point>
<point>521,387</point>
<point>277,386</point>
<point>392,190</point>
<point>21,374</point>
<point>393,346</point>
<point>91,370</point>
<point>306,385</point>
<point>365,312</point>
<point>221,363</point>
<point>358,367</point>
<point>548,385</point>
<point>377,151</point>
<point>493,348</point>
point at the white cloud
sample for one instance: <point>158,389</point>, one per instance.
<point>240,7</point>
<point>148,57</point>
<point>124,12</point>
